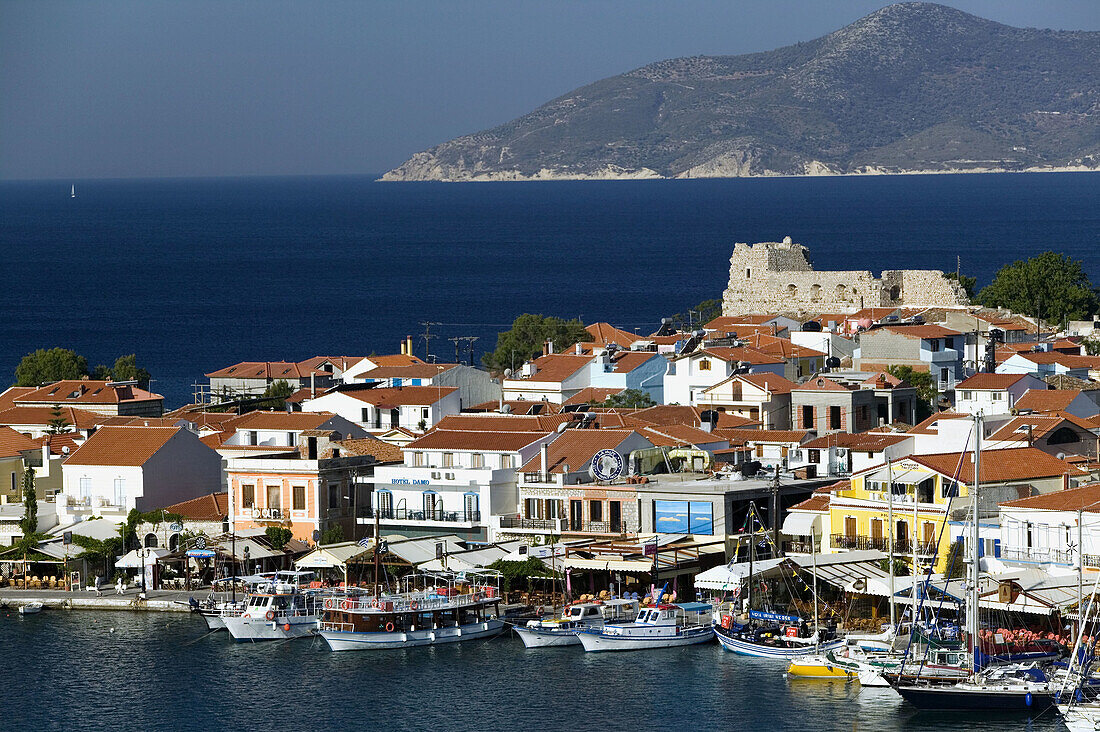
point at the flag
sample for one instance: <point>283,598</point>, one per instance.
<point>364,542</point>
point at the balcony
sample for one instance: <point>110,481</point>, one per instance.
<point>366,514</point>
<point>538,477</point>
<point>1049,556</point>
<point>901,546</point>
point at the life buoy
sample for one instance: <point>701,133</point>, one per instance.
<point>374,603</point>
<point>414,605</point>
<point>270,615</point>
<point>389,627</point>
<point>727,621</point>
<point>329,603</point>
<point>345,605</point>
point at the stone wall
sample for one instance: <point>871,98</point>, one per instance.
<point>778,277</point>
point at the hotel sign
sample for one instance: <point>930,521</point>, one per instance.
<point>408,481</point>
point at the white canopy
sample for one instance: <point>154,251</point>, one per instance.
<point>798,523</point>
<point>728,576</point>
<point>132,559</point>
<point>332,556</point>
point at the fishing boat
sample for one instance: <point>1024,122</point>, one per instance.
<point>563,631</point>
<point>437,607</point>
<point>663,626</point>
<point>214,609</point>
<point>278,611</point>
<point>30,608</point>
<point>774,635</point>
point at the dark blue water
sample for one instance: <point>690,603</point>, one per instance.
<point>67,670</point>
<point>194,275</point>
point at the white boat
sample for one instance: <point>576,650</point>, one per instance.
<point>563,631</point>
<point>72,192</point>
<point>664,626</point>
<point>279,612</point>
<point>445,608</point>
<point>1081,717</point>
<point>772,635</point>
<point>214,610</point>
<point>30,608</point>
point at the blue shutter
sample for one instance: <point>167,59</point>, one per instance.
<point>997,548</point>
<point>416,382</point>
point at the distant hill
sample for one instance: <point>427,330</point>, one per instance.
<point>912,87</point>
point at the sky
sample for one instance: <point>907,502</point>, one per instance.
<point>151,88</point>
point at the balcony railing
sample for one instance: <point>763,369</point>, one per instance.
<point>404,514</point>
<point>1054,556</point>
<point>518,522</point>
<point>901,546</point>
<point>537,477</point>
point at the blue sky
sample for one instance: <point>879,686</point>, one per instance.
<point>151,88</point>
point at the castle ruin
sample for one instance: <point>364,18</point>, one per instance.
<point>778,277</point>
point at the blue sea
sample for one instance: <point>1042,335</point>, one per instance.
<point>194,275</point>
<point>105,671</point>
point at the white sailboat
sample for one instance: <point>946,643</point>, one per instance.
<point>72,192</point>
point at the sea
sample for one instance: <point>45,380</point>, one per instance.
<point>193,275</point>
<point>144,671</point>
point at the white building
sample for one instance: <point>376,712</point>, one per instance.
<point>991,394</point>
<point>270,432</point>
<point>1049,531</point>
<point>474,385</point>
<point>377,409</point>
<point>122,468</point>
<point>553,378</point>
<point>693,373</point>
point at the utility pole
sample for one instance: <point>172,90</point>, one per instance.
<point>456,340</point>
<point>428,338</point>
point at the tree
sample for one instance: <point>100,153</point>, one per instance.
<point>701,314</point>
<point>278,391</point>
<point>925,386</point>
<point>524,340</point>
<point>969,284</point>
<point>57,424</point>
<point>279,536</point>
<point>519,575</point>
<point>126,369</point>
<point>333,534</point>
<point>47,365</point>
<point>29,523</point>
<point>629,399</point>
<point>102,551</point>
<point>1051,286</point>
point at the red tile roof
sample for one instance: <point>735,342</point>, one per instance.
<point>924,427</point>
<point>731,354</point>
<point>495,422</point>
<point>992,382</point>
<point>471,440</point>
<point>676,435</point>
<point>383,452</point>
<point>395,396</point>
<point>739,435</point>
<point>80,419</point>
<point>774,383</point>
<point>288,421</point>
<point>58,443</point>
<point>922,331</point>
<point>276,370</point>
<point>554,368</point>
<point>7,398</point>
<point>1085,498</point>
<point>999,466</point>
<point>1045,400</point>
<point>122,445</point>
<point>604,333</point>
<point>822,383</point>
<point>407,371</point>
<point>818,502</point>
<point>575,448</point>
<point>14,444</point>
<point>864,441</point>
<point>593,394</point>
<point>211,507</point>
<point>85,391</point>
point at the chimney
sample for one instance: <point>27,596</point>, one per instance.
<point>312,385</point>
<point>544,452</point>
<point>580,349</point>
<point>403,348</point>
<point>408,345</point>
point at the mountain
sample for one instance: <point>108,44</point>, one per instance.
<point>912,87</point>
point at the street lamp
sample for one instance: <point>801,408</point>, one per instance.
<point>142,555</point>
<point>246,553</point>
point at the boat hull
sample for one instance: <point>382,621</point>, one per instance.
<point>244,628</point>
<point>597,642</point>
<point>30,608</point>
<point>953,698</point>
<point>812,668</point>
<point>340,640</point>
<point>539,638</point>
<point>746,648</point>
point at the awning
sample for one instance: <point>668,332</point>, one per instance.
<point>132,559</point>
<point>610,563</point>
<point>729,576</point>
<point>802,524</point>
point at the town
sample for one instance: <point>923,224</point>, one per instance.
<point>824,418</point>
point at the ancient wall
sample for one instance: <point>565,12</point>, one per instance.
<point>778,277</point>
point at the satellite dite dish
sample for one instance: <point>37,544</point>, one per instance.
<point>607,465</point>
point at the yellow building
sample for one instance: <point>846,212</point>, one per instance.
<point>926,488</point>
<point>15,447</point>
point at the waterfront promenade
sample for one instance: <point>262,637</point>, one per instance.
<point>11,598</point>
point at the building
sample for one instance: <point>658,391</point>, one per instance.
<point>474,386</point>
<point>828,405</point>
<point>771,448</point>
<point>763,398</point>
<point>930,348</point>
<point>323,485</point>
<point>1055,532</point>
<point>15,450</point>
<point>690,374</point>
<point>926,489</point>
<point>1050,363</point>
<point>839,454</point>
<point>778,277</point>
<point>613,368</point>
<point>457,481</point>
<point>122,468</point>
<point>380,408</point>
<point>554,378</point>
<point>1043,400</point>
<point>107,398</point>
<point>206,515</point>
<point>992,394</point>
<point>262,432</point>
<point>1058,435</point>
<point>251,378</point>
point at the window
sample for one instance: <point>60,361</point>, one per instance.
<point>704,365</point>
<point>13,483</point>
<point>850,526</point>
<point>424,413</point>
<point>967,395</point>
<point>834,418</point>
<point>748,273</point>
<point>477,460</point>
<point>683,517</point>
<point>448,459</point>
<point>807,417</point>
<point>813,456</point>
<point>365,415</point>
<point>862,413</point>
<point>299,498</point>
<point>934,344</point>
<point>334,496</point>
<point>291,439</point>
<point>431,504</point>
<point>418,459</point>
<point>248,496</point>
<point>507,461</point>
<point>120,491</point>
<point>253,437</point>
<point>469,502</point>
<point>274,496</point>
<point>85,487</point>
<point>595,510</point>
<point>998,396</point>
<point>384,503</point>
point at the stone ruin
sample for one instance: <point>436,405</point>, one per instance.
<point>778,277</point>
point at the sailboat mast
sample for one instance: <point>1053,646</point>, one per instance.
<point>817,633</point>
<point>913,540</point>
<point>975,536</point>
<point>890,537</point>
